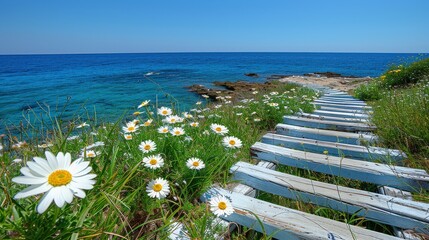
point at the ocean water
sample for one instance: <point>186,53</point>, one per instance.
<point>114,84</point>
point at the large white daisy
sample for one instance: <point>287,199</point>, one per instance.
<point>177,131</point>
<point>231,142</point>
<point>147,146</point>
<point>130,127</point>
<point>221,206</point>
<point>219,129</point>
<point>154,161</point>
<point>195,163</point>
<point>164,111</point>
<point>158,188</point>
<point>58,177</point>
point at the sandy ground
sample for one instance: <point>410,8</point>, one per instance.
<point>340,83</point>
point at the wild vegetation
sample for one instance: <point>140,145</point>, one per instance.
<point>136,177</point>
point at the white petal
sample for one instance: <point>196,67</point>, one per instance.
<point>75,168</point>
<point>86,177</point>
<point>83,172</point>
<point>81,185</point>
<point>60,160</point>
<point>33,190</point>
<point>43,163</point>
<point>67,161</point>
<point>29,180</point>
<point>26,172</point>
<point>36,168</point>
<point>77,192</point>
<point>52,160</point>
<point>45,201</point>
<point>67,194</point>
<point>58,197</point>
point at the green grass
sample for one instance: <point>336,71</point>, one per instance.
<point>119,206</point>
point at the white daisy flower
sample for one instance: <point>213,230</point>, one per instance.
<point>147,146</point>
<point>255,92</point>
<point>89,154</point>
<point>72,138</point>
<point>205,96</point>
<point>177,131</point>
<point>158,188</point>
<point>198,103</point>
<point>195,163</point>
<point>194,124</point>
<point>219,129</point>
<point>221,206</point>
<point>154,161</point>
<point>147,123</point>
<point>137,113</point>
<point>130,128</point>
<point>173,119</point>
<point>273,104</point>
<point>128,136</point>
<point>165,111</point>
<point>163,129</point>
<point>84,124</point>
<point>144,104</point>
<point>257,119</point>
<point>58,177</point>
<point>231,142</point>
<point>274,93</point>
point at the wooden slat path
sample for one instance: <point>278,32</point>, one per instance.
<point>377,207</point>
<point>330,118</point>
<point>345,106</point>
<point>333,140</point>
<point>335,149</point>
<point>382,174</point>
<point>343,109</point>
<point>325,135</point>
<point>341,114</point>
<point>329,125</point>
<point>286,223</point>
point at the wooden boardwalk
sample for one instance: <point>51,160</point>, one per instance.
<point>336,140</point>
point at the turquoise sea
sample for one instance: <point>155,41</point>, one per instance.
<point>114,84</point>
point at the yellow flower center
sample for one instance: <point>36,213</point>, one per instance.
<point>147,147</point>
<point>172,120</point>
<point>157,187</point>
<point>164,130</point>
<point>136,113</point>
<point>232,142</point>
<point>194,125</point>
<point>147,124</point>
<point>59,178</point>
<point>221,205</point>
<point>131,128</point>
<point>90,155</point>
<point>153,161</point>
<point>129,137</point>
<point>196,164</point>
<point>177,132</point>
<point>218,129</point>
<point>164,112</point>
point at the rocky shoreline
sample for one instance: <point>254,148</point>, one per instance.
<point>238,88</point>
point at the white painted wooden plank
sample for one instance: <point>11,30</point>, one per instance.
<point>335,149</point>
<point>350,100</point>
<point>285,223</point>
<point>329,125</point>
<point>409,179</point>
<point>330,118</point>
<point>342,114</point>
<point>343,106</point>
<point>377,207</point>
<point>408,233</point>
<point>340,102</point>
<point>325,135</point>
<point>339,109</point>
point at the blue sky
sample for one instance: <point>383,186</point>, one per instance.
<point>104,26</point>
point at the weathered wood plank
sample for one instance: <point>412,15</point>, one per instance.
<point>409,179</point>
<point>329,125</point>
<point>377,207</point>
<point>325,135</point>
<point>330,118</point>
<point>341,114</point>
<point>343,106</point>
<point>363,104</point>
<point>340,109</point>
<point>335,149</point>
<point>350,100</point>
<point>285,223</point>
